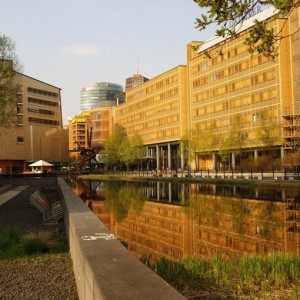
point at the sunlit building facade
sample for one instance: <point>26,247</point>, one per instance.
<point>38,132</point>
<point>79,134</point>
<point>158,111</point>
<point>102,124</point>
<point>231,90</point>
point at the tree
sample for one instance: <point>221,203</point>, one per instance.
<point>225,14</point>
<point>113,147</point>
<point>9,66</point>
<point>238,136</point>
<point>132,149</point>
<point>189,146</point>
<point>196,142</point>
<point>269,132</point>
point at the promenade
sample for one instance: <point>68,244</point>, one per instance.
<point>15,208</point>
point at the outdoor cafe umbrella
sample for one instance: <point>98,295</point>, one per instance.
<point>43,165</point>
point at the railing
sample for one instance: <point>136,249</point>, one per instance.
<point>292,173</point>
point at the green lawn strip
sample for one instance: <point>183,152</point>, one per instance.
<point>249,276</point>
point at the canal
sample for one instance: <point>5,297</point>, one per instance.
<point>157,218</point>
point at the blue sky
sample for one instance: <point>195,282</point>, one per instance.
<point>71,44</point>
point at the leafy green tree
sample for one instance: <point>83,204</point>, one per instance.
<point>268,132</point>
<point>113,147</point>
<point>132,149</point>
<point>238,136</point>
<point>225,13</point>
<point>9,66</point>
<point>225,149</point>
<point>190,143</point>
<point>210,141</point>
<point>196,142</point>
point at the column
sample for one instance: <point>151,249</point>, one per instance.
<point>233,160</point>
<point>182,158</point>
<point>281,153</point>
<point>169,156</point>
<point>255,154</point>
<point>214,161</point>
<point>157,157</point>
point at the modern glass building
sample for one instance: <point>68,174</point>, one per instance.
<point>101,94</point>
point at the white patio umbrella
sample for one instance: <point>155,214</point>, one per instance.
<point>41,164</point>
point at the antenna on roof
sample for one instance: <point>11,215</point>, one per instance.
<point>138,66</point>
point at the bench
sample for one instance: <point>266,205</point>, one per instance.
<point>52,213</point>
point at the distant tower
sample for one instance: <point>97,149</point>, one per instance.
<point>135,80</point>
<point>100,94</point>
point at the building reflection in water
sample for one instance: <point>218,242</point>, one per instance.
<point>157,219</point>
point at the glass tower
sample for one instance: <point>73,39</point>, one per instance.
<point>101,94</point>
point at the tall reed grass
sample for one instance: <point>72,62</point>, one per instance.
<point>249,276</point>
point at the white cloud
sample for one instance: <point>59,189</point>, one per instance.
<point>81,49</point>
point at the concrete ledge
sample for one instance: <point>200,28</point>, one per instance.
<point>103,268</point>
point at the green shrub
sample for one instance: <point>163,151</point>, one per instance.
<point>33,246</point>
<point>13,244</point>
<point>9,243</point>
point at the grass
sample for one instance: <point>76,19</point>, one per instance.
<point>274,276</point>
<point>14,245</point>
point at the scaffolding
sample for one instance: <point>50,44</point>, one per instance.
<point>291,131</point>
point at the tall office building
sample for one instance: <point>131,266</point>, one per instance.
<point>79,128</point>
<point>38,133</point>
<point>231,91</point>
<point>101,94</point>
<point>158,111</point>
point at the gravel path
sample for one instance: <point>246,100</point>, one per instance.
<point>38,278</point>
<point>47,277</point>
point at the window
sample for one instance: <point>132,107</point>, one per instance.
<point>42,92</point>
<point>19,110</point>
<point>20,120</point>
<point>40,111</point>
<point>20,140</point>
<point>42,102</point>
<point>44,122</point>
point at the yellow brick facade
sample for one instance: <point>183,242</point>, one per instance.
<point>38,133</point>
<point>158,111</point>
<point>102,124</point>
<point>79,128</point>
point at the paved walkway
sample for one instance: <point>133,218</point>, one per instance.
<point>11,193</point>
<point>15,207</point>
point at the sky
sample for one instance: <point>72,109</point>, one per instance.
<point>71,44</point>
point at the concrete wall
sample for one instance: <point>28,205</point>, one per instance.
<point>103,268</point>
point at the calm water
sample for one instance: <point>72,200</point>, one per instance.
<point>159,218</point>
